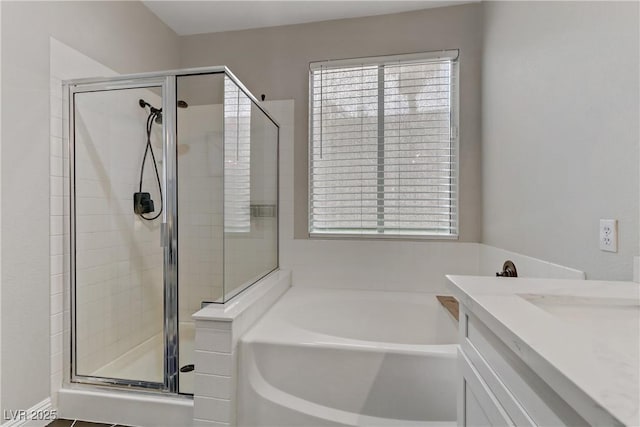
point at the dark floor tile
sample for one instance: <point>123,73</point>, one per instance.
<point>60,422</point>
<point>90,424</point>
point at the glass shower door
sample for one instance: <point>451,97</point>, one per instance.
<point>118,258</point>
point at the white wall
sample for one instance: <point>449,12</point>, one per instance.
<point>560,131</point>
<point>126,37</point>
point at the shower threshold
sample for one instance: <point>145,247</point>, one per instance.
<point>144,362</point>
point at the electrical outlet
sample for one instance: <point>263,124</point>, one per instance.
<point>609,235</point>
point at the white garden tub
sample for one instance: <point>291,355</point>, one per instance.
<point>338,357</point>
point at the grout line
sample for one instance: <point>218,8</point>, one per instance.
<point>73,423</point>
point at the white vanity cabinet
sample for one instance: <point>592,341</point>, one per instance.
<point>497,388</point>
<point>547,352</point>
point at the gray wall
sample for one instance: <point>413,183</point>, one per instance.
<point>125,36</point>
<point>275,61</point>
<point>560,131</point>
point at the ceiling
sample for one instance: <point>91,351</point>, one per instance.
<point>196,17</point>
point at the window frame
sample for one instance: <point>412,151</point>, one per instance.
<point>454,57</point>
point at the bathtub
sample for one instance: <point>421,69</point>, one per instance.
<point>348,358</point>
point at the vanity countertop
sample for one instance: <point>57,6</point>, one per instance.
<point>581,337</point>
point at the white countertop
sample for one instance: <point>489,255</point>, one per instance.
<point>581,337</point>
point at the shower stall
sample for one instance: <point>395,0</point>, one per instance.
<point>173,181</point>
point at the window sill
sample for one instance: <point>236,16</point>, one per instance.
<point>405,237</point>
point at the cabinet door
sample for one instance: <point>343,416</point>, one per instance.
<point>477,405</point>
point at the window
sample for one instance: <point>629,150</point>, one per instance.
<point>383,146</point>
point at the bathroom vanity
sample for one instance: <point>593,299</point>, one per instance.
<point>547,352</point>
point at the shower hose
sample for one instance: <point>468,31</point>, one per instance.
<point>149,149</point>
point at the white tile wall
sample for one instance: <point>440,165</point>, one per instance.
<point>214,338</point>
<point>214,359</point>
<point>213,362</point>
<point>218,386</point>
<point>211,409</point>
<point>214,384</point>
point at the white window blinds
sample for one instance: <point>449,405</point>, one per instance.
<point>383,146</point>
<point>237,159</point>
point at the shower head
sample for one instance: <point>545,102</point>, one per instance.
<point>158,112</point>
<point>143,104</point>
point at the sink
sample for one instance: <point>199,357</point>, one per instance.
<point>612,321</point>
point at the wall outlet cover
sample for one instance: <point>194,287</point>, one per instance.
<point>609,235</point>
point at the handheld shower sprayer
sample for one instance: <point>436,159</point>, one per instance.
<point>142,202</point>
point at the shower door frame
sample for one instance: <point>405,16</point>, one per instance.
<point>168,227</point>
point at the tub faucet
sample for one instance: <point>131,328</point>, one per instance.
<point>508,270</point>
